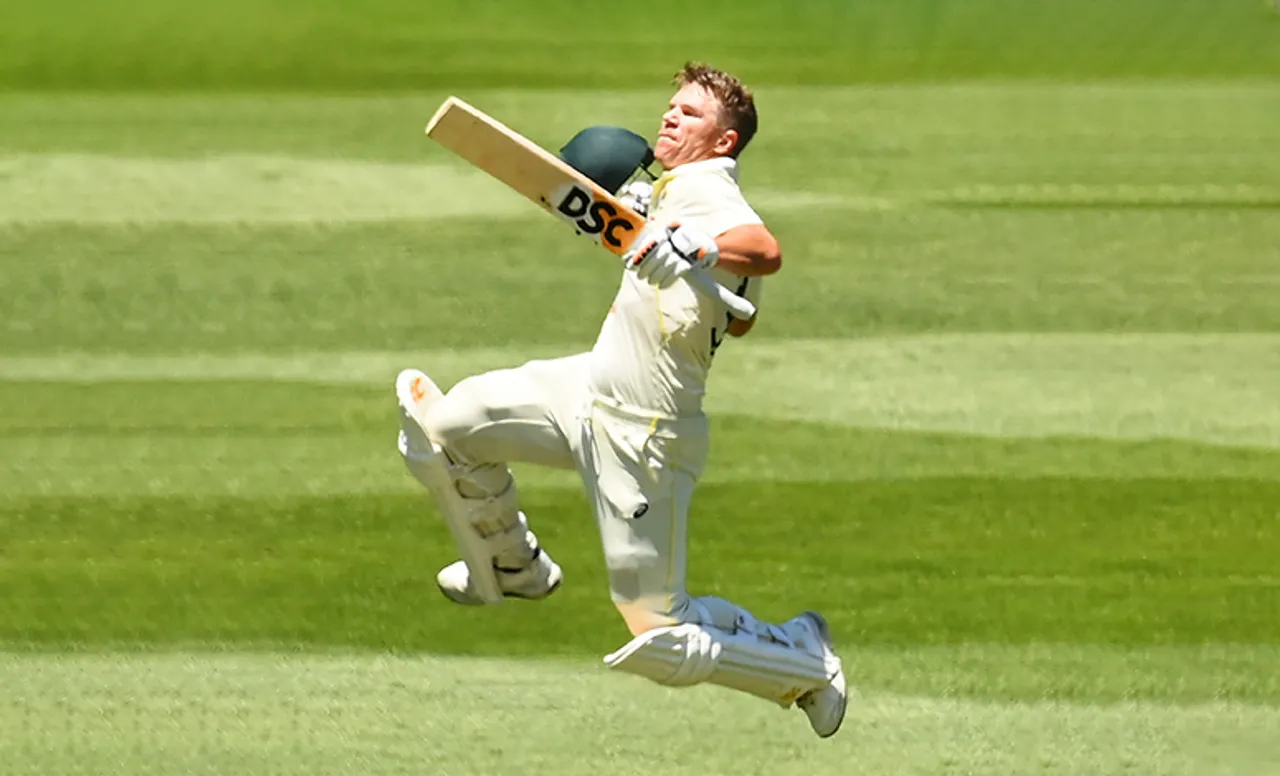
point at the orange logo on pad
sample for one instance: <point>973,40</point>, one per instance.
<point>416,390</point>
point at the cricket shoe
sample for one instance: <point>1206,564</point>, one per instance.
<point>539,579</point>
<point>825,707</point>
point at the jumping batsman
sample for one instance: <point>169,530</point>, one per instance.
<point>627,416</point>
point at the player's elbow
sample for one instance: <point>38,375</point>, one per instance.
<point>772,260</point>
<point>739,327</point>
<point>768,253</point>
<point>751,250</point>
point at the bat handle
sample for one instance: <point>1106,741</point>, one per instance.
<point>740,307</point>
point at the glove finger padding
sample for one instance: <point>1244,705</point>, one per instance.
<point>667,272</point>
<point>641,253</point>
<point>693,246</point>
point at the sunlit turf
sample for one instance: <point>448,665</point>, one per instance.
<point>1008,419</point>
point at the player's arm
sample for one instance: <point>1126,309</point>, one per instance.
<point>749,250</point>
<point>660,254</point>
<point>738,327</point>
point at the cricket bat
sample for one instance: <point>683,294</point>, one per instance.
<point>554,185</point>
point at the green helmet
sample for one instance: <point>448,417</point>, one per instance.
<point>607,155</point>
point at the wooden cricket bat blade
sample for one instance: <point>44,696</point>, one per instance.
<point>552,184</point>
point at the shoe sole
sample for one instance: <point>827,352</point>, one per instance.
<point>448,593</point>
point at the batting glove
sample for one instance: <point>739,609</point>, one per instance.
<point>636,195</point>
<point>663,255</point>
<point>696,247</point>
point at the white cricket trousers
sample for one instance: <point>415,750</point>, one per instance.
<point>639,472</point>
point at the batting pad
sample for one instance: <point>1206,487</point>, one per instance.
<point>426,462</point>
<point>689,654</point>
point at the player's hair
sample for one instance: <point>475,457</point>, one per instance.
<point>738,106</point>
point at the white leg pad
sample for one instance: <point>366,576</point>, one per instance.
<point>467,519</point>
<point>689,654</point>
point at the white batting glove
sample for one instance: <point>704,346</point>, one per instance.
<point>694,246</point>
<point>662,255</point>
<point>636,195</point>
<point>648,252</point>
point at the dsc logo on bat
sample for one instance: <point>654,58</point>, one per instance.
<point>595,217</point>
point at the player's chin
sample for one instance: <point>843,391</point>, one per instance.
<point>664,152</point>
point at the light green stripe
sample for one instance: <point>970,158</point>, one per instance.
<point>85,188</point>
<point>1215,388</point>
<point>270,189</point>
<point>281,189</point>
<point>372,715</point>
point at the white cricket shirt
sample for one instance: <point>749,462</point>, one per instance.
<point>654,350</point>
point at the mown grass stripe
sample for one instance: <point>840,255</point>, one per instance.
<point>275,189</point>
<point>88,188</point>
<point>1217,388</point>
<point>203,713</point>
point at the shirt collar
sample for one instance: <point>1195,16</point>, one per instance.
<point>726,164</point>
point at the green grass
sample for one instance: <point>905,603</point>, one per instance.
<point>912,561</point>
<point>220,224</point>
<point>341,714</point>
<point>1009,416</point>
<point>384,45</point>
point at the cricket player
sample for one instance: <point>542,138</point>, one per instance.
<point>627,416</point>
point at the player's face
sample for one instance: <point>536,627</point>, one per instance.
<point>691,129</point>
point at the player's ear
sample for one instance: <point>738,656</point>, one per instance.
<point>727,142</point>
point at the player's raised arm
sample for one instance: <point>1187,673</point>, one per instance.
<point>749,250</point>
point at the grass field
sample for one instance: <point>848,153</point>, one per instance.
<point>327,45</point>
<point>1010,417</point>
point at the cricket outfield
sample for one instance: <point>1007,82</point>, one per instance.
<point>1010,417</point>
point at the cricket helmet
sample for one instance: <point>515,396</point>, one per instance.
<point>610,156</point>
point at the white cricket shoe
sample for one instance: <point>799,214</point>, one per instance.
<point>537,580</point>
<point>824,707</point>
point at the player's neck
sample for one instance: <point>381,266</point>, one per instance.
<point>710,162</point>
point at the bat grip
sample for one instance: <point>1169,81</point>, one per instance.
<point>740,307</point>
